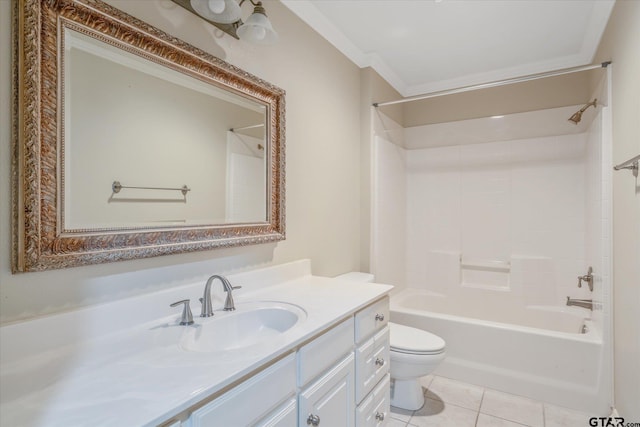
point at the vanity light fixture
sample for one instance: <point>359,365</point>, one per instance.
<point>258,28</point>
<point>226,15</point>
<point>220,11</point>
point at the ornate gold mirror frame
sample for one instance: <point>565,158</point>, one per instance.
<point>39,240</point>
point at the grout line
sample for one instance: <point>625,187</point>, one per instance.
<point>506,419</point>
<point>406,422</point>
<point>449,403</point>
<point>401,420</point>
<point>480,406</point>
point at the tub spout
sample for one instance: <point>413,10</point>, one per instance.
<point>584,303</point>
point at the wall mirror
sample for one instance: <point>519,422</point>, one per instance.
<point>129,143</point>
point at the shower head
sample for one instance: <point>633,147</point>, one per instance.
<point>577,116</point>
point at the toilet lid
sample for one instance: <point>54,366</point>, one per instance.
<point>405,339</point>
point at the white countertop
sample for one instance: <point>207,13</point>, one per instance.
<point>137,375</point>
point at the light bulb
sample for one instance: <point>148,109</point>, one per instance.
<point>259,32</point>
<point>217,6</point>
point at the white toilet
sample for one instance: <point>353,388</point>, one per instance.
<point>414,354</point>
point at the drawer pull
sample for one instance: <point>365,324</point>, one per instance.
<point>313,420</point>
<point>380,317</point>
<point>379,361</point>
<point>380,416</point>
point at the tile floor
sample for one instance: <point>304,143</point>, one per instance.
<point>450,403</point>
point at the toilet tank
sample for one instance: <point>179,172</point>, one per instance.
<point>357,276</point>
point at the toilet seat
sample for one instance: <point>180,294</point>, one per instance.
<point>408,340</point>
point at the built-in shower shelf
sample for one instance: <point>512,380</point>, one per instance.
<point>497,288</point>
<point>489,274</point>
<point>485,264</point>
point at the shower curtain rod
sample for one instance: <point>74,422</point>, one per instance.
<point>494,84</point>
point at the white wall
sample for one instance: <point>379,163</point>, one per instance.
<point>322,166</point>
<point>621,44</point>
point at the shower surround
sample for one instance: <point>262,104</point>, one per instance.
<point>502,217</point>
<point>507,216</point>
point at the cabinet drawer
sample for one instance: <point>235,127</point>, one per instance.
<point>252,400</point>
<point>374,410</point>
<point>371,319</point>
<point>324,351</point>
<point>372,362</point>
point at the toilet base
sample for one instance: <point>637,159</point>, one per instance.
<point>407,394</point>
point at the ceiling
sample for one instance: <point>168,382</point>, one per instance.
<point>423,46</point>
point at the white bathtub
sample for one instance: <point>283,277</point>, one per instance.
<point>536,351</point>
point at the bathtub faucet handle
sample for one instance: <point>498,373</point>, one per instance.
<point>587,278</point>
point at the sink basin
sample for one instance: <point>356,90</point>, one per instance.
<point>250,325</point>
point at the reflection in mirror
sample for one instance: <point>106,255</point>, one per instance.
<point>129,143</point>
<point>154,131</point>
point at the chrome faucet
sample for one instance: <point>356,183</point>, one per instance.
<point>584,303</point>
<point>207,310</point>
<point>587,278</point>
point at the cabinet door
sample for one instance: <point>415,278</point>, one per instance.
<point>329,402</point>
<point>285,416</point>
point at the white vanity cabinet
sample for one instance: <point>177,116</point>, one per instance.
<point>303,345</point>
<point>338,379</point>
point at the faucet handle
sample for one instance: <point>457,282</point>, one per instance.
<point>587,278</point>
<point>187,316</point>
<point>229,305</point>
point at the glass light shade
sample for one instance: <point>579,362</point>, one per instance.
<point>228,10</point>
<point>217,6</point>
<point>257,29</point>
